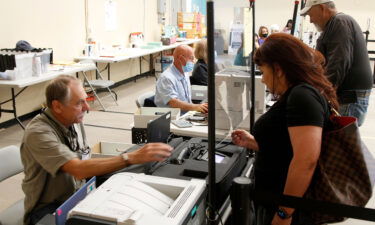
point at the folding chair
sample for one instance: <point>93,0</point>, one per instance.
<point>99,83</point>
<point>11,165</point>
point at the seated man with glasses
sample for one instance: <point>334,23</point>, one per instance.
<point>173,87</point>
<point>55,154</point>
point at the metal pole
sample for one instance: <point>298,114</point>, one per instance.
<point>252,110</point>
<point>14,109</point>
<point>296,3</point>
<point>241,201</point>
<point>211,113</point>
<point>367,34</point>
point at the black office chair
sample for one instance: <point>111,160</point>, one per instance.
<point>146,100</point>
<point>150,102</point>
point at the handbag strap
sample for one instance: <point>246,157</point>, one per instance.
<point>265,197</point>
<point>333,111</point>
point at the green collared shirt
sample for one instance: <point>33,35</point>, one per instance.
<point>46,146</point>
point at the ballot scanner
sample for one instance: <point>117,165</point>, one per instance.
<point>139,199</point>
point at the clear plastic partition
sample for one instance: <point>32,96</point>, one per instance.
<point>232,101</point>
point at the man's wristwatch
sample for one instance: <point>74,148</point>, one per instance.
<point>125,157</point>
<point>283,214</point>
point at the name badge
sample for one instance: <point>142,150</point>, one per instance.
<point>85,156</point>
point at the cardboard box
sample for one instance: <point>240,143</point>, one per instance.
<point>203,31</point>
<point>188,17</point>
<point>190,26</point>
<point>192,34</point>
<point>203,19</point>
<point>108,149</point>
<point>144,114</point>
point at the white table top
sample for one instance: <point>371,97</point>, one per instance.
<point>130,53</point>
<point>197,130</point>
<point>54,71</point>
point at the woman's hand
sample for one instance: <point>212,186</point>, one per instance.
<point>244,139</point>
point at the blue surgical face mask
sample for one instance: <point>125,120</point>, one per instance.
<point>188,67</point>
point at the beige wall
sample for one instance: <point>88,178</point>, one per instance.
<point>44,23</point>
<point>282,10</point>
<point>61,25</point>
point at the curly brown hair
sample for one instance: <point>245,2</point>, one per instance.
<point>299,62</point>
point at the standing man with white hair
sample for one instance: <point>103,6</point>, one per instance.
<point>347,63</point>
<point>274,28</point>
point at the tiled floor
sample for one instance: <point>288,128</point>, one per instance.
<point>10,190</point>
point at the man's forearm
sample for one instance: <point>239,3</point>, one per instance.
<point>93,167</point>
<point>298,180</point>
<point>184,106</point>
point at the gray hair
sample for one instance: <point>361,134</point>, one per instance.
<point>58,89</point>
<point>331,5</point>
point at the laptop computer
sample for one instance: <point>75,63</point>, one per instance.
<point>158,129</point>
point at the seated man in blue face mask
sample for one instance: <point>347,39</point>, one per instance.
<point>173,87</point>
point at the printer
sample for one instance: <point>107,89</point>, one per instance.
<point>139,199</point>
<point>233,100</point>
<point>189,160</point>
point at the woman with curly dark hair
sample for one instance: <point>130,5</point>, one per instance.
<point>288,136</point>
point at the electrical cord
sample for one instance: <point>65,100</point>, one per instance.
<point>194,147</point>
<point>169,138</point>
<point>226,137</point>
<point>224,145</point>
<point>159,165</point>
<point>216,214</point>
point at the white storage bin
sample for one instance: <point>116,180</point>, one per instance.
<point>24,65</point>
<point>108,149</point>
<point>144,114</point>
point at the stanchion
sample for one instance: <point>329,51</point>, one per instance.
<point>239,196</point>
<point>252,110</point>
<point>211,114</point>
<point>296,3</point>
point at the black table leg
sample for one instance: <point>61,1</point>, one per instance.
<point>14,109</point>
<point>109,71</point>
